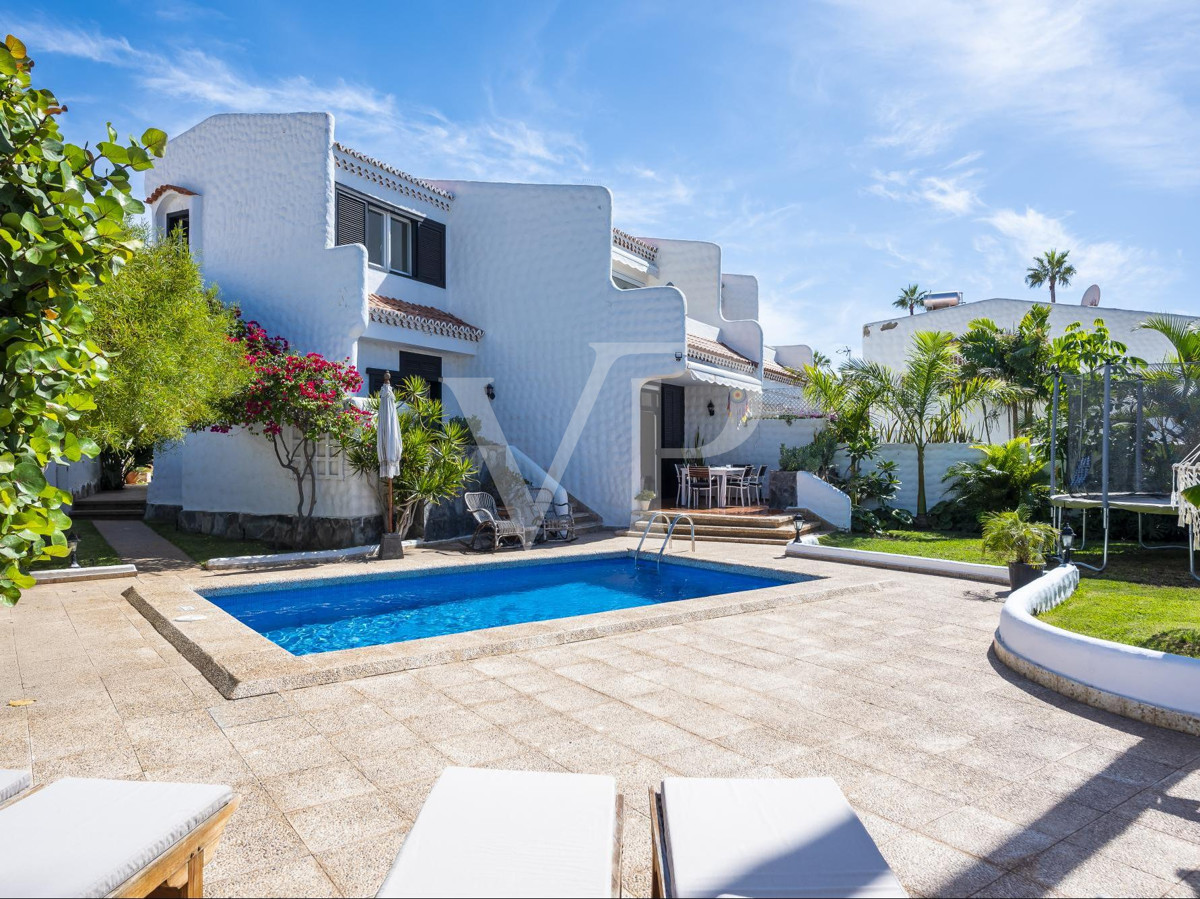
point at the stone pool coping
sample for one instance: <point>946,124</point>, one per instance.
<point>239,662</point>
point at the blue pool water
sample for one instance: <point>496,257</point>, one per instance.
<point>367,612</point>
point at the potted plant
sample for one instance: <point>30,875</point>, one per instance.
<point>643,499</point>
<point>1012,538</point>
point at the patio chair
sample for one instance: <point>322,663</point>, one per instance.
<point>1083,468</point>
<point>512,833</point>
<point>681,490</point>
<point>763,838</point>
<point>488,521</point>
<point>80,837</point>
<point>556,524</point>
<point>13,782</point>
<point>758,484</point>
<point>701,480</point>
<point>738,484</point>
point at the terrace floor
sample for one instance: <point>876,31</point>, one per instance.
<point>972,780</point>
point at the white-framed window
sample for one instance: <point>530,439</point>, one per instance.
<point>387,235</point>
<point>328,462</point>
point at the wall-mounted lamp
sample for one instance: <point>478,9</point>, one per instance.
<point>712,410</point>
<point>678,356</point>
<point>490,391</point>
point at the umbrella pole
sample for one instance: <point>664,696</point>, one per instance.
<point>391,522</point>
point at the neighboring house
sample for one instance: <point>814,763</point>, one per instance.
<point>888,341</point>
<point>594,352</point>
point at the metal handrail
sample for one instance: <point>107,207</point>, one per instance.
<point>671,530</point>
<point>649,524</point>
<point>671,522</point>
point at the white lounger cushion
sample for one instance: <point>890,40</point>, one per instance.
<point>12,782</point>
<point>86,837</point>
<point>769,838</point>
<point>509,833</point>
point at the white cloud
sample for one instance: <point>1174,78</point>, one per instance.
<point>1094,73</point>
<point>1130,275</point>
<point>954,194</point>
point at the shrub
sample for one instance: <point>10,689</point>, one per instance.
<point>1008,476</point>
<point>816,457</point>
<point>1011,537</point>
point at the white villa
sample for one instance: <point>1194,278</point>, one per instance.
<point>598,355</point>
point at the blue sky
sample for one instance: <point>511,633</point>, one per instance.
<point>836,150</point>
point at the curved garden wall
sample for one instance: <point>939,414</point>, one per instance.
<point>1156,687</point>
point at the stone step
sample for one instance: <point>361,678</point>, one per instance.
<point>721,519</point>
<point>682,539</point>
<point>730,529</point>
<point>111,511</point>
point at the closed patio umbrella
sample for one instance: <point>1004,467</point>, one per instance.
<point>389,444</point>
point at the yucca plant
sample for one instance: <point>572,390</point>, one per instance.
<point>434,466</point>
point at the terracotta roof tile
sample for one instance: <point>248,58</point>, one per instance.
<point>777,372</point>
<point>703,349</point>
<point>634,245</point>
<point>169,188</point>
<point>429,319</point>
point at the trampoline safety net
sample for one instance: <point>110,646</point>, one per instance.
<point>1154,423</point>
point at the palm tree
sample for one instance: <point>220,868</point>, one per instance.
<point>1050,268</point>
<point>910,298</point>
<point>1184,336</point>
<point>928,400</point>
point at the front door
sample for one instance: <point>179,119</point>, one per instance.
<point>671,421</point>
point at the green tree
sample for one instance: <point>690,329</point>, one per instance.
<point>172,366</point>
<point>1080,351</point>
<point>1183,334</point>
<point>927,401</point>
<point>1051,268</point>
<point>1020,357</point>
<point>63,212</point>
<point>434,466</point>
<point>911,298</point>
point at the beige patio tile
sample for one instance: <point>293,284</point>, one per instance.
<point>300,876</point>
<point>1080,871</point>
<point>898,800</point>
<point>445,724</point>
<point>314,786</point>
<point>349,820</point>
<point>996,840</point>
<point>358,869</point>
<point>229,713</point>
<point>266,843</point>
<point>929,868</point>
<point>1116,836</point>
<point>478,747</point>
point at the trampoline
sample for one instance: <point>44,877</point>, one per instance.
<point>1132,442</point>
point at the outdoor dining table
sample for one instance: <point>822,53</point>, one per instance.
<point>722,473</point>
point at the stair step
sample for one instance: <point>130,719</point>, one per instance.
<point>714,538</point>
<point>93,513</point>
<point>769,522</point>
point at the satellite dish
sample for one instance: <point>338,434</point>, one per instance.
<point>1091,296</point>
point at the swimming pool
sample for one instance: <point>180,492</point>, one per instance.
<point>368,611</point>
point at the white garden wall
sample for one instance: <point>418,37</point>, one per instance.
<point>80,478</point>
<point>938,458</point>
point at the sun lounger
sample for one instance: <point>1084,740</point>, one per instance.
<point>13,782</point>
<point>762,838</point>
<point>80,837</point>
<point>512,833</point>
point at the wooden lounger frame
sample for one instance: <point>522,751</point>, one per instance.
<point>618,832</point>
<point>660,874</point>
<point>178,872</point>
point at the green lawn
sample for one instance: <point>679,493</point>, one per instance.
<point>203,547</point>
<point>1144,598</point>
<point>93,550</point>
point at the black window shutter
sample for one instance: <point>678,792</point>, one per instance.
<point>427,367</point>
<point>375,380</point>
<point>431,253</point>
<point>350,220</point>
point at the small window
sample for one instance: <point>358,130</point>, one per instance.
<point>400,257</point>
<point>180,222</point>
<point>376,249</point>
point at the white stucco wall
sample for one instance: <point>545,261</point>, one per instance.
<point>263,226</point>
<point>938,458</point>
<point>79,478</point>
<point>890,347</point>
<point>531,266</point>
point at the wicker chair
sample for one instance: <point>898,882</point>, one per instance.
<point>556,525</point>
<point>483,509</point>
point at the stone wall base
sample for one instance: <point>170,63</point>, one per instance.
<point>1100,699</point>
<point>277,531</point>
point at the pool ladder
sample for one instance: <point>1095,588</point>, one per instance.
<point>671,522</point>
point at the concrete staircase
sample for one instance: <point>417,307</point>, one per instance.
<point>127,504</point>
<point>770,528</point>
